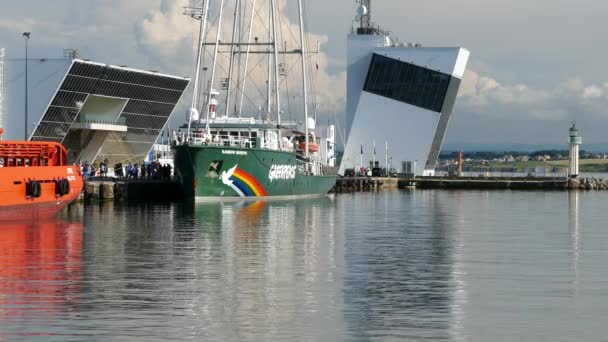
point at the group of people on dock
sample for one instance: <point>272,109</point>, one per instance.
<point>146,170</point>
<point>92,170</point>
<point>150,171</point>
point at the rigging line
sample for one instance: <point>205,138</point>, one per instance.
<point>294,38</point>
<point>249,34</point>
<point>202,82</point>
<point>289,104</point>
<point>259,17</point>
<point>259,90</point>
<point>284,57</point>
<point>311,74</point>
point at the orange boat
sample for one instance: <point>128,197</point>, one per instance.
<point>35,180</point>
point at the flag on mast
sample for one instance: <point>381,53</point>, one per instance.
<point>374,148</point>
<point>374,156</point>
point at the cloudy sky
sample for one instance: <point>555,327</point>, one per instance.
<point>536,66</point>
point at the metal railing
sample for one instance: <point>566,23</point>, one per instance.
<point>222,140</point>
<point>88,120</point>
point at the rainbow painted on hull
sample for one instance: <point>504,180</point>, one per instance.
<point>243,183</point>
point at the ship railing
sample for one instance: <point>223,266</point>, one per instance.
<point>221,141</point>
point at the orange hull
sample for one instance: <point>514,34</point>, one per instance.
<point>35,181</point>
<point>15,204</point>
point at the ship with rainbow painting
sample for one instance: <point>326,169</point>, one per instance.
<point>226,153</point>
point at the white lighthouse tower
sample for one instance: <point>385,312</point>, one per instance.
<point>575,141</point>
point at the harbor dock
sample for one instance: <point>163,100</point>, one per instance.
<point>136,190</point>
<point>168,190</point>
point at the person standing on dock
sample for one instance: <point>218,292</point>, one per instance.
<point>135,171</point>
<point>149,170</point>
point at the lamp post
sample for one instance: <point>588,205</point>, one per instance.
<point>26,37</point>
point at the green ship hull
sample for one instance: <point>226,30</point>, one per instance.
<point>207,172</point>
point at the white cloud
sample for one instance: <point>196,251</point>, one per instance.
<point>593,92</point>
<point>489,110</point>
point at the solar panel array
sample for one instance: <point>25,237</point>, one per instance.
<point>151,98</point>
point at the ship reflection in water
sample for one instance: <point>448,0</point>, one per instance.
<point>40,272</point>
<point>421,265</point>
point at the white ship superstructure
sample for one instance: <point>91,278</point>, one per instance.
<point>398,95</point>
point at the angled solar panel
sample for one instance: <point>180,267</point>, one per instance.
<point>108,112</point>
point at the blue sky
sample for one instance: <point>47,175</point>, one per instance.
<point>535,67</point>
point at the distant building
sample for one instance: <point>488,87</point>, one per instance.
<point>96,111</point>
<point>399,94</point>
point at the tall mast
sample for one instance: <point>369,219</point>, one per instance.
<point>203,27</point>
<point>230,67</point>
<point>247,56</point>
<point>268,84</point>
<point>213,67</point>
<point>240,59</point>
<point>303,51</point>
<point>276,64</point>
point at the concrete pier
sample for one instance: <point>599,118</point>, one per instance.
<point>157,190</point>
<point>136,190</point>
<point>519,183</point>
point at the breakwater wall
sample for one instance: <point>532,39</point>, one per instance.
<point>354,184</point>
<point>518,183</point>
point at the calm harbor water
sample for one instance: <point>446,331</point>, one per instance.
<point>420,265</point>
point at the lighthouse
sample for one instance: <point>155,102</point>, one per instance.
<point>575,141</point>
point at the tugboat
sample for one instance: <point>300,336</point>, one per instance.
<point>35,180</point>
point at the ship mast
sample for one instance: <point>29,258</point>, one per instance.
<point>305,93</point>
<point>275,46</point>
<point>247,58</point>
<point>196,13</point>
<point>213,67</point>
<point>232,48</point>
<point>269,64</point>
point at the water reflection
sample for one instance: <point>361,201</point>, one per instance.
<point>573,206</point>
<point>399,261</point>
<point>421,265</point>
<point>40,271</point>
<point>228,271</point>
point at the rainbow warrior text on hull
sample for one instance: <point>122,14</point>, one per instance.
<point>223,153</point>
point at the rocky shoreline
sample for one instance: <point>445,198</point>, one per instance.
<point>588,183</point>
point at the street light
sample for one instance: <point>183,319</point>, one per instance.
<point>26,37</point>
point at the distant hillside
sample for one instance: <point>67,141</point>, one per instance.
<point>595,148</point>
